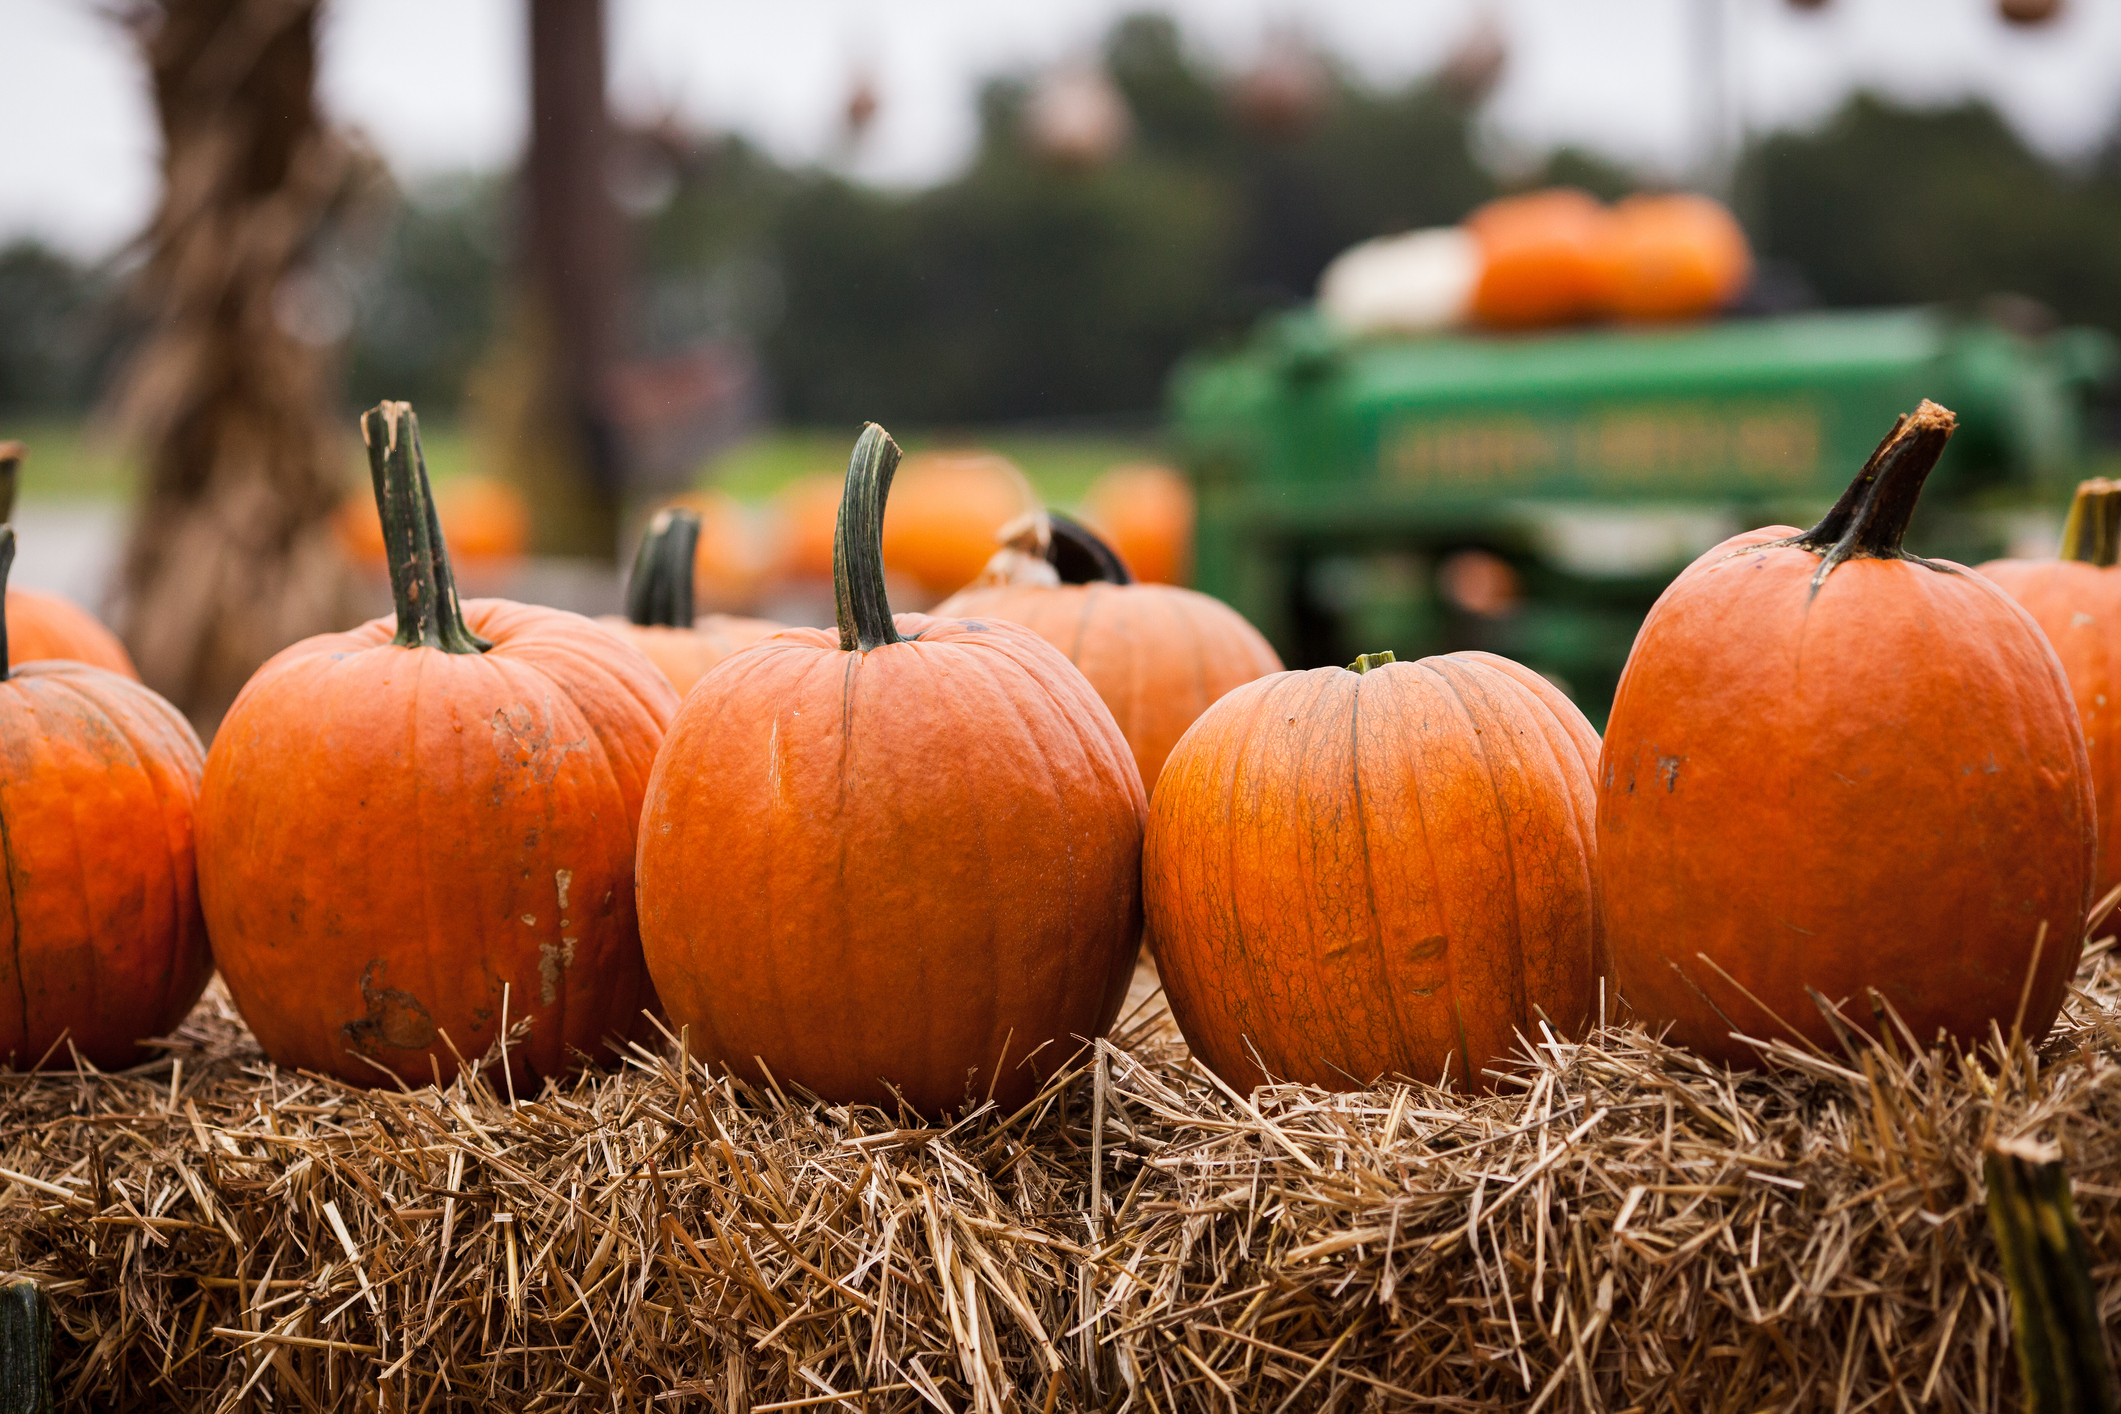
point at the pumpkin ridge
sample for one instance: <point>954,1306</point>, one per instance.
<point>1443,914</point>
<point>1556,742</point>
<point>1369,870</point>
<point>1503,812</point>
<point>7,856</point>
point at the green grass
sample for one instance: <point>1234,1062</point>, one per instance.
<point>69,462</point>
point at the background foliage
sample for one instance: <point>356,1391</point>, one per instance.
<point>1017,292</point>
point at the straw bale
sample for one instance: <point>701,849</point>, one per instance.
<point>1620,1228</point>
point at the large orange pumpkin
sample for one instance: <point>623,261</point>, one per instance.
<point>2076,600</point>
<point>1677,256</point>
<point>101,941</point>
<point>408,828</point>
<point>1146,512</point>
<point>1384,871</point>
<point>945,513</point>
<point>900,858</point>
<point>44,626</point>
<point>659,615</point>
<point>1157,654</point>
<point>1540,257</point>
<point>1834,768</point>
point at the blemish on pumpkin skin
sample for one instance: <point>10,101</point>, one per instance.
<point>1668,772</point>
<point>553,959</point>
<point>395,1019</point>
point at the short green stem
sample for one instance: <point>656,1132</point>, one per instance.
<point>660,592</point>
<point>421,585</point>
<point>25,1349</point>
<point>1870,520</point>
<point>1371,660</point>
<point>1078,556</point>
<point>858,544</point>
<point>2092,534</point>
<point>7,565</point>
<point>12,455</point>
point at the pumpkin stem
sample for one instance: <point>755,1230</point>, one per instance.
<point>424,590</point>
<point>1080,557</point>
<point>1870,520</point>
<point>660,592</point>
<point>858,544</point>
<point>7,564</point>
<point>1371,660</point>
<point>11,458</point>
<point>2092,535</point>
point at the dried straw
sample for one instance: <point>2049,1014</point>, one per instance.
<point>1622,1228</point>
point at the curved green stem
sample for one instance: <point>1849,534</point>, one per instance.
<point>7,564</point>
<point>858,544</point>
<point>2092,534</point>
<point>12,455</point>
<point>660,592</point>
<point>1870,520</point>
<point>1371,660</point>
<point>1078,556</point>
<point>421,585</point>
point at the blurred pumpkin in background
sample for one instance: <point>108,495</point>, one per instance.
<point>734,552</point>
<point>1672,256</point>
<point>482,519</point>
<point>806,513</point>
<point>1540,257</point>
<point>947,510</point>
<point>1145,512</point>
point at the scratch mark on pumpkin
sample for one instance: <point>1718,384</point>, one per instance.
<point>1668,772</point>
<point>564,878</point>
<point>553,959</point>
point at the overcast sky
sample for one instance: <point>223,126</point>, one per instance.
<point>438,85</point>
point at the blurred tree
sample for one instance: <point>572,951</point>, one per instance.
<point>1970,211</point>
<point>232,555</point>
<point>54,339</point>
<point>542,397</point>
<point>425,307</point>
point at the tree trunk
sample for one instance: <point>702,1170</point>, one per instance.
<point>544,395</point>
<point>232,555</point>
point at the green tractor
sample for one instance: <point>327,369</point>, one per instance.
<point>1532,494</point>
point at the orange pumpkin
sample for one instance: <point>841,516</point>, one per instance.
<point>659,617</point>
<point>1834,768</point>
<point>945,513</point>
<point>1379,871</point>
<point>2076,600</point>
<point>101,941</point>
<point>899,859</point>
<point>808,512</point>
<point>360,532</point>
<point>1540,257</point>
<point>732,557</point>
<point>1678,256</point>
<point>45,626</point>
<point>1145,512</point>
<point>485,519</point>
<point>1157,654</point>
<point>409,829</point>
